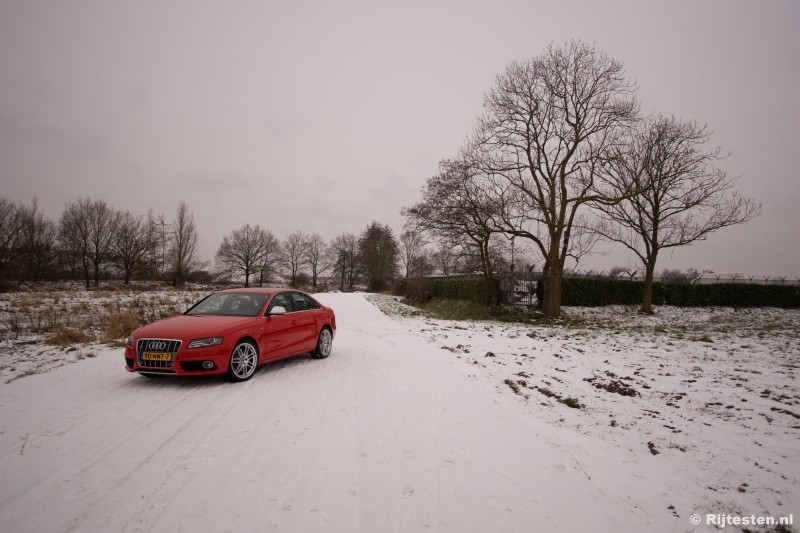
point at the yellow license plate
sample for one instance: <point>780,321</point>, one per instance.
<point>157,356</point>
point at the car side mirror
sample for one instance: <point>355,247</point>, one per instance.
<point>277,311</point>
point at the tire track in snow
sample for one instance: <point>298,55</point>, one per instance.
<point>170,480</point>
<point>64,473</point>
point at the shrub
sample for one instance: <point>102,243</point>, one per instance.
<point>119,325</point>
<point>63,336</point>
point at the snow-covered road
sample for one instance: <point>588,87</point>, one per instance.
<point>388,434</point>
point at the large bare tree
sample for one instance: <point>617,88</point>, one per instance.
<point>183,245</point>
<point>244,250</point>
<point>547,127</point>
<point>679,195</point>
<point>454,209</point>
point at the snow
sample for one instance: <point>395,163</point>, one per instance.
<point>410,426</point>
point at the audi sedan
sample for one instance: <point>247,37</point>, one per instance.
<point>232,332</point>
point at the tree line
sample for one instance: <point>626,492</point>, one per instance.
<point>93,241</point>
<point>561,157</point>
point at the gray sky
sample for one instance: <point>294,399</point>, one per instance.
<point>324,116</point>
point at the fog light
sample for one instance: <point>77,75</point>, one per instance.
<point>208,365</point>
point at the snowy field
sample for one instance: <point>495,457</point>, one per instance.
<point>607,421</point>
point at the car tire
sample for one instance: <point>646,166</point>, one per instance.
<point>243,362</point>
<point>324,344</point>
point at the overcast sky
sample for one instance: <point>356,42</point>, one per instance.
<point>325,116</point>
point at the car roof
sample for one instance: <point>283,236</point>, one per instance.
<point>259,290</point>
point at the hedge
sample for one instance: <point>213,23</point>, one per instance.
<point>422,289</point>
<point>598,292</point>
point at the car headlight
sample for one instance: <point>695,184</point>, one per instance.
<point>205,343</point>
<point>129,342</point>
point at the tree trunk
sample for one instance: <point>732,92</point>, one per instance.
<point>87,273</point>
<point>552,277</point>
<point>551,304</point>
<point>97,274</point>
<point>647,290</point>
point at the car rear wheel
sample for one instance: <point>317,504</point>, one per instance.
<point>324,344</point>
<point>243,363</point>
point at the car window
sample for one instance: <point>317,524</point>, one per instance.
<point>229,304</point>
<point>303,302</point>
<point>281,299</point>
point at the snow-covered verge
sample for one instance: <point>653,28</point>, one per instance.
<point>705,403</point>
<point>416,424</point>
<point>44,329</point>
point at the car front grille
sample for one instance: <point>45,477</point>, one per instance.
<point>170,346</point>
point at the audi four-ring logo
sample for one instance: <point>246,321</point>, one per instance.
<point>157,345</point>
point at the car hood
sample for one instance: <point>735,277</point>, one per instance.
<point>192,327</point>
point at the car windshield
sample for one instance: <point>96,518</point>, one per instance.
<point>229,304</point>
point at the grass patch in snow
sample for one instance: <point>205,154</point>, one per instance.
<point>455,309</point>
<point>119,325</point>
<point>63,336</point>
<point>449,309</point>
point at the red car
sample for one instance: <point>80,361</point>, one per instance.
<point>232,332</point>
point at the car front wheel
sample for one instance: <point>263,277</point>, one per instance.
<point>244,359</point>
<point>324,344</point>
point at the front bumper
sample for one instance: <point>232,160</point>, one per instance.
<point>185,362</point>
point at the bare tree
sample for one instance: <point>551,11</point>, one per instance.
<point>445,259</point>
<point>86,231</point>
<point>378,253</point>
<point>342,256</point>
<point>183,245</point>
<point>273,251</point>
<point>454,208</point>
<point>244,250</point>
<point>295,254</point>
<point>132,243</point>
<point>37,241</point>
<point>421,265</point>
<point>316,254</point>
<point>9,234</point>
<point>155,258</point>
<point>679,196</point>
<point>548,124</point>
<point>412,242</point>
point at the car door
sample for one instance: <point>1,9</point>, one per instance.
<point>281,330</point>
<point>306,310</point>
